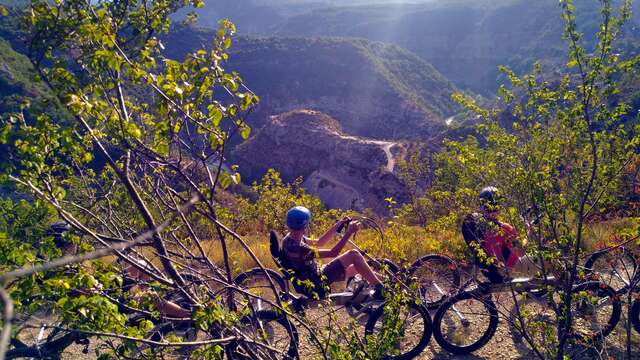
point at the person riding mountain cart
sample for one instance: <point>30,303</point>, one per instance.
<point>297,259</point>
<point>136,278</point>
<point>299,256</point>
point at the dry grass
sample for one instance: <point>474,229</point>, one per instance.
<point>403,243</point>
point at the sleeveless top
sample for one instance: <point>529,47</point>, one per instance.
<point>301,258</point>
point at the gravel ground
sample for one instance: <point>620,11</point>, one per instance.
<point>505,344</point>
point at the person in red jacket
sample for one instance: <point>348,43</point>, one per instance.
<point>498,236</point>
<point>486,232</point>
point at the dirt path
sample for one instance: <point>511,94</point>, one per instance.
<point>384,145</point>
<point>449,120</point>
<point>391,162</point>
<point>505,344</point>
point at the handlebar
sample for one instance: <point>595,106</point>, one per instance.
<point>343,225</point>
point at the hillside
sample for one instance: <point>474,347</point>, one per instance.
<point>18,79</point>
<point>263,17</point>
<point>465,40</point>
<point>373,89</point>
<point>18,84</point>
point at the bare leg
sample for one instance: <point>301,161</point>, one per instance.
<point>355,259</point>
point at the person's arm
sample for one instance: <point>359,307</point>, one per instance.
<point>510,234</point>
<point>335,250</point>
<point>327,236</point>
<point>172,309</point>
<point>166,308</point>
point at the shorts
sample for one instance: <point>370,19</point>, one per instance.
<point>333,271</point>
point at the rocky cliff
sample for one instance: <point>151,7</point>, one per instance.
<point>344,171</point>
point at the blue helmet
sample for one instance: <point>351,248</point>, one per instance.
<point>298,217</point>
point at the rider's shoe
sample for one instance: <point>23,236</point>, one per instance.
<point>379,292</point>
<point>358,296</point>
<point>354,282</point>
<point>298,302</point>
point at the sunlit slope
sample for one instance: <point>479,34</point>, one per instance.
<point>265,16</point>
<point>373,89</point>
<point>465,40</point>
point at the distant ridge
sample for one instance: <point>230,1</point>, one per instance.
<point>465,40</point>
<point>374,89</point>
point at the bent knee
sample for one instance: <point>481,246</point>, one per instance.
<point>354,254</point>
<point>351,256</point>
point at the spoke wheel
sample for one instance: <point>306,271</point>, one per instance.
<point>465,322</point>
<point>267,335</point>
<point>53,345</point>
<point>402,332</point>
<point>615,267</point>
<point>256,282</point>
<point>538,320</point>
<point>595,309</point>
<point>439,278</point>
<point>195,285</point>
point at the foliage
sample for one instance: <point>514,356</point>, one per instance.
<point>561,156</point>
<point>274,199</point>
<point>137,153</point>
<point>23,241</point>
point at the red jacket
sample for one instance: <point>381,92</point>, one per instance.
<point>497,242</point>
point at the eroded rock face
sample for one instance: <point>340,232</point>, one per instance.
<point>344,171</point>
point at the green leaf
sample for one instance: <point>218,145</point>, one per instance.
<point>4,133</point>
<point>215,114</point>
<point>225,180</point>
<point>133,130</point>
<point>245,132</point>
